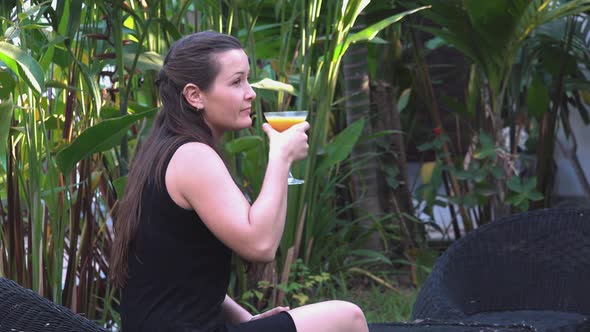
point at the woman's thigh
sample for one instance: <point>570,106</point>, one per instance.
<point>329,316</point>
<point>281,322</point>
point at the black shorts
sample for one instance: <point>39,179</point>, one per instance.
<point>282,322</point>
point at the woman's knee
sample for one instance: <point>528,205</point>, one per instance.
<point>354,312</point>
<point>330,316</point>
<point>349,315</point>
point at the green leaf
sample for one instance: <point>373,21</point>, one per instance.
<point>484,153</point>
<point>440,140</point>
<point>351,10</point>
<point>60,85</point>
<point>497,171</point>
<point>54,121</point>
<point>101,137</point>
<point>514,184</point>
<point>403,100</point>
<point>378,40</point>
<point>61,57</point>
<point>535,196</point>
<point>473,90</point>
<point>485,191</point>
<point>495,21</point>
<point>470,201</point>
<point>377,256</point>
<point>486,141</point>
<point>171,28</point>
<point>371,31</point>
<point>537,98</point>
<point>461,174</point>
<point>5,121</point>
<point>92,83</point>
<point>72,19</point>
<point>7,84</point>
<point>270,84</point>
<point>23,65</point>
<point>391,173</point>
<point>12,32</point>
<point>425,147</point>
<point>109,112</point>
<point>34,11</point>
<point>487,150</point>
<point>457,200</point>
<point>243,144</point>
<point>440,202</point>
<point>560,10</point>
<point>145,62</point>
<point>513,199</point>
<point>119,184</point>
<point>135,108</point>
<point>479,175</point>
<point>456,41</point>
<point>341,147</point>
<point>393,183</point>
<point>434,43</point>
<point>530,184</point>
<point>274,27</point>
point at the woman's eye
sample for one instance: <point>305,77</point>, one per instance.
<point>238,81</point>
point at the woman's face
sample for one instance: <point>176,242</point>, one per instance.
<point>227,104</point>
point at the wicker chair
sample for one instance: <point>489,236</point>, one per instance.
<point>445,326</point>
<point>530,269</point>
<point>22,309</point>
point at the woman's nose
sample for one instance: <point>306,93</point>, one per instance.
<point>250,93</point>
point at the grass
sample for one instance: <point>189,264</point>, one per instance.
<point>381,304</point>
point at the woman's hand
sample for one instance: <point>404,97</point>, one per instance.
<point>290,144</point>
<point>269,313</point>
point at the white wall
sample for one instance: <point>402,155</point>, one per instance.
<point>566,181</point>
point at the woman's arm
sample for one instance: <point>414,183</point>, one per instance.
<point>233,312</point>
<point>198,179</point>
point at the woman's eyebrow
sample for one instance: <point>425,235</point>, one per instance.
<point>239,73</point>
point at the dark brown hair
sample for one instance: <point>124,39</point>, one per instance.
<point>189,60</point>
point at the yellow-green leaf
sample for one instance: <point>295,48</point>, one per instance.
<point>269,84</point>
<point>23,65</point>
<point>5,117</point>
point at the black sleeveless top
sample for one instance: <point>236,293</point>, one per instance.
<point>178,270</point>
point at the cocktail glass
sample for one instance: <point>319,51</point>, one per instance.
<point>282,121</point>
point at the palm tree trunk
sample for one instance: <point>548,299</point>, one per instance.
<point>546,164</point>
<point>358,104</point>
<point>398,200</point>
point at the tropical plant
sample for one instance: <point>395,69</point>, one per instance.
<point>77,97</point>
<point>63,137</point>
<point>307,63</point>
<point>499,39</point>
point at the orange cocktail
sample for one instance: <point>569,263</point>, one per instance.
<point>282,121</point>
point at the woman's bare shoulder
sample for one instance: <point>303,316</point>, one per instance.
<point>194,168</point>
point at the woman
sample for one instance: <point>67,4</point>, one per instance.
<point>182,215</point>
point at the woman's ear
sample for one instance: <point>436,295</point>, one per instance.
<point>193,95</point>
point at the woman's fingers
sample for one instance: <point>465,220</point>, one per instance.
<point>270,312</point>
<point>302,126</point>
<point>291,142</point>
<point>268,130</point>
<point>300,136</point>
